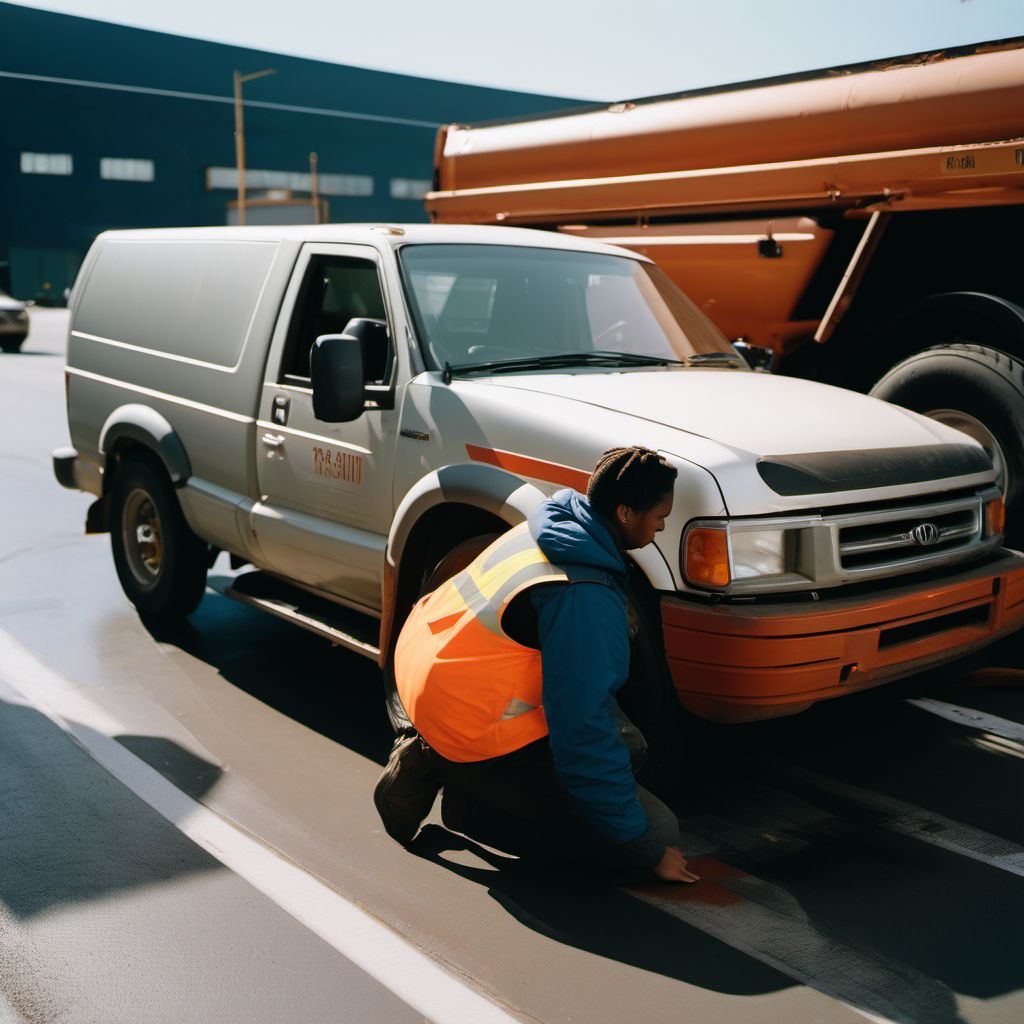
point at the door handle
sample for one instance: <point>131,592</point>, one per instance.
<point>273,440</point>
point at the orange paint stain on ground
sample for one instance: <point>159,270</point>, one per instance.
<point>709,890</point>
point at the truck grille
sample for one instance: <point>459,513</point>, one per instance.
<point>821,551</point>
<point>912,535</point>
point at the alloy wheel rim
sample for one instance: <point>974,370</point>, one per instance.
<point>143,537</point>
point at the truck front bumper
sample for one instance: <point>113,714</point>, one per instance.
<point>741,663</point>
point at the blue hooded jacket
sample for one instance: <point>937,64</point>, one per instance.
<point>584,642</point>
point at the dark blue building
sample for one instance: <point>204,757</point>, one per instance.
<point>112,127</point>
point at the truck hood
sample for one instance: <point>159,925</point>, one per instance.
<point>755,413</point>
<point>725,421</point>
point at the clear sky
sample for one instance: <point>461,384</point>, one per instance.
<point>588,49</point>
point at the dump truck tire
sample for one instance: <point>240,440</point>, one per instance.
<point>980,391</point>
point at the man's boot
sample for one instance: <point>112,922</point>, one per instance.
<point>406,789</point>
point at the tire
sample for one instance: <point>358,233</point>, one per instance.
<point>12,345</point>
<point>650,700</point>
<point>453,562</point>
<point>979,390</point>
<point>160,562</point>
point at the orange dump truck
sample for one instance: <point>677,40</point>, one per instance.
<point>864,224</point>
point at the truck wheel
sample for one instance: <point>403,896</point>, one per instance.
<point>453,562</point>
<point>12,345</point>
<point>650,700</point>
<point>977,390</point>
<point>160,562</point>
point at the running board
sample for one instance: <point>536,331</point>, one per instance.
<point>342,626</point>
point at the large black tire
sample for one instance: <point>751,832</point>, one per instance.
<point>649,699</point>
<point>984,386</point>
<point>160,562</point>
<point>12,345</point>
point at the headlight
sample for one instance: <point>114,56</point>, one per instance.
<point>758,553</point>
<point>725,554</point>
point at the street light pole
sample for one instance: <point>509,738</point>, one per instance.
<point>240,135</point>
<point>314,188</point>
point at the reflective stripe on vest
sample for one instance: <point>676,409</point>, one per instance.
<point>469,689</point>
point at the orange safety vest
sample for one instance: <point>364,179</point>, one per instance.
<point>469,689</point>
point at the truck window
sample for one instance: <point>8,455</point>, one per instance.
<point>480,302</point>
<point>334,290</point>
<point>619,315</point>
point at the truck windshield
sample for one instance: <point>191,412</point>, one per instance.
<point>483,307</point>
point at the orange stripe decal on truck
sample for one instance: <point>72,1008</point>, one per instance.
<point>537,469</point>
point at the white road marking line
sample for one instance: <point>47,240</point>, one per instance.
<point>764,922</point>
<point>410,974</point>
<point>918,823</point>
<point>970,718</point>
<point>998,745</point>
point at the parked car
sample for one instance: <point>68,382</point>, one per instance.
<point>13,323</point>
<point>358,411</point>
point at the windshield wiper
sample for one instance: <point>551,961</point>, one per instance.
<point>560,360</point>
<point>715,357</point>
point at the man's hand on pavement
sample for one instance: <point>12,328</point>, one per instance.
<point>672,867</point>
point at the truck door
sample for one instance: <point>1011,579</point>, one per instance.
<point>326,488</point>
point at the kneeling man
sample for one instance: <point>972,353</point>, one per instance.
<point>509,674</point>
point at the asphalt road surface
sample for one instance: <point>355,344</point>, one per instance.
<point>187,831</point>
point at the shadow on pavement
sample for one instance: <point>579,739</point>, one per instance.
<point>70,831</point>
<point>192,775</point>
<point>330,690</point>
<point>592,915</point>
<point>728,937</point>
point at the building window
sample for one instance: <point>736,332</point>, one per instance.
<point>291,181</point>
<point>409,188</point>
<point>118,169</point>
<point>344,184</point>
<point>45,163</point>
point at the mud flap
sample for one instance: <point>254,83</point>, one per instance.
<point>97,519</point>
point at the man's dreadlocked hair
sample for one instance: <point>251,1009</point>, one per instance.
<point>635,476</point>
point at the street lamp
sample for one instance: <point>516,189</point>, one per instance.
<point>240,134</point>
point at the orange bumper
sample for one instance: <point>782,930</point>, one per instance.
<point>743,662</point>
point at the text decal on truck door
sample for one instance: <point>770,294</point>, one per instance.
<point>338,465</point>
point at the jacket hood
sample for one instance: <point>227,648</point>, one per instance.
<point>569,531</point>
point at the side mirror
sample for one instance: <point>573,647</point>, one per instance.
<point>376,344</point>
<point>336,373</point>
<point>757,356</point>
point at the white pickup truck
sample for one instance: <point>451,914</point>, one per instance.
<point>356,410</point>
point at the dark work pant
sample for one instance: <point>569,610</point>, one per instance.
<point>517,803</point>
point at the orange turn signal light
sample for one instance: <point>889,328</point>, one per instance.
<point>995,517</point>
<point>707,557</point>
